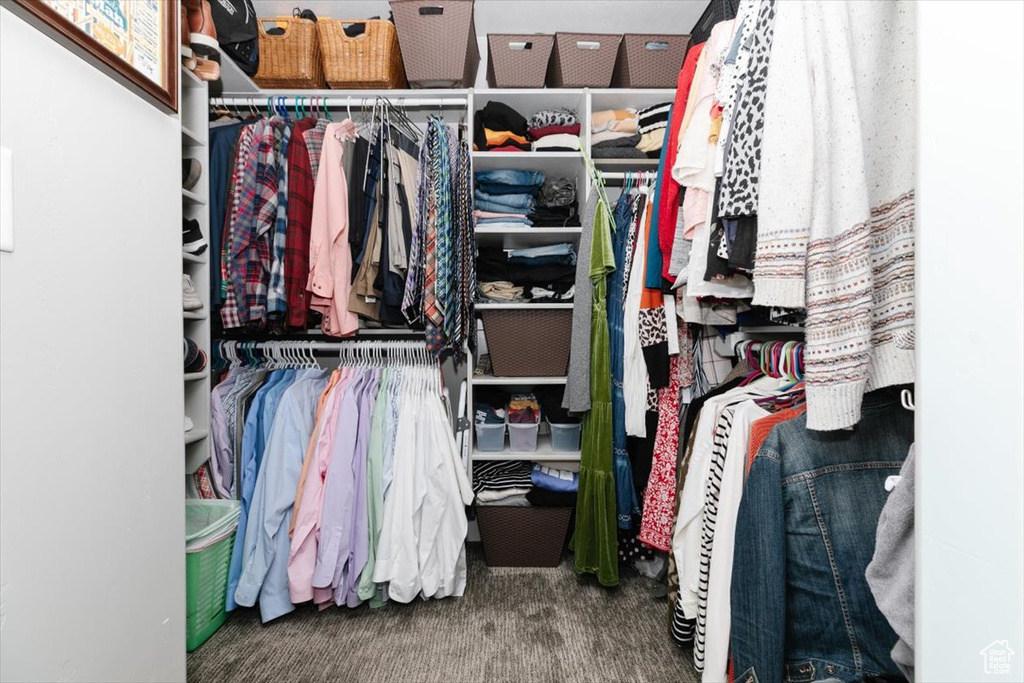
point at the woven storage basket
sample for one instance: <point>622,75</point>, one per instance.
<point>583,60</point>
<point>291,60</point>
<point>438,40</point>
<point>518,61</point>
<point>523,536</point>
<point>530,343</point>
<point>369,60</point>
<point>649,61</point>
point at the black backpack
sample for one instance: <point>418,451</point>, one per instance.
<point>237,33</point>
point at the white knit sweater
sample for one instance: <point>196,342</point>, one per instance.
<point>836,212</point>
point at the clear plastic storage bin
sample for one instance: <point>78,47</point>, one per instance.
<point>565,438</point>
<point>523,437</point>
<point>490,437</point>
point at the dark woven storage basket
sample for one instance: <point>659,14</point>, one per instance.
<point>530,343</point>
<point>518,60</point>
<point>649,61</point>
<point>369,60</point>
<point>583,60</point>
<point>438,40</point>
<point>291,60</point>
<point>523,536</point>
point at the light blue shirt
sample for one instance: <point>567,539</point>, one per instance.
<point>265,550</point>
<point>254,438</point>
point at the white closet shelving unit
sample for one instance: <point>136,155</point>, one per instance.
<point>554,165</point>
<point>461,104</point>
<point>196,324</point>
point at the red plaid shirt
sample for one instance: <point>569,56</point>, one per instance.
<point>229,308</point>
<point>301,184</point>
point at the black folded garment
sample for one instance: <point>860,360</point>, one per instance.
<point>619,153</point>
<point>492,266</point>
<point>498,116</point>
<point>624,141</point>
<point>555,216</point>
<point>551,499</point>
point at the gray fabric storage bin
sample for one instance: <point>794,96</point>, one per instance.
<point>518,60</point>
<point>648,60</point>
<point>583,60</point>
<point>438,42</point>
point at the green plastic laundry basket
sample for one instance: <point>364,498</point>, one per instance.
<point>209,536</point>
<point>206,585</point>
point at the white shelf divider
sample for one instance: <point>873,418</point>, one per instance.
<point>194,258</point>
<point>521,306</point>
<point>194,315</point>
<point>196,435</point>
<point>190,197</point>
<point>491,380</point>
<point>196,376</point>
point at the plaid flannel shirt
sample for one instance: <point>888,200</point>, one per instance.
<point>276,301</point>
<point>229,308</point>
<point>301,184</point>
<point>250,246</point>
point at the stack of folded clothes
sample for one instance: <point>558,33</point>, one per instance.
<point>485,414</point>
<point>613,134</point>
<point>505,198</point>
<point>502,482</point>
<point>651,125</point>
<point>541,274</point>
<point>500,128</point>
<point>556,205</point>
<point>523,409</point>
<point>555,130</point>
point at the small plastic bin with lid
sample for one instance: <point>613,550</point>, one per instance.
<point>522,436</point>
<point>565,437</point>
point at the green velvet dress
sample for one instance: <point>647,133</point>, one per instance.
<point>594,540</point>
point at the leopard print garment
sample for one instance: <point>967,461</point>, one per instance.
<point>743,162</point>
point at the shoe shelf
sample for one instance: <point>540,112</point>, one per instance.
<point>196,376</point>
<point>194,258</point>
<point>519,306</point>
<point>189,137</point>
<point>492,380</point>
<point>194,315</point>
<point>190,197</point>
<point>196,435</point>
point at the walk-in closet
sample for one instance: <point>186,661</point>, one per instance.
<point>613,340</point>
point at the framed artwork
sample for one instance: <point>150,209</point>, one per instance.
<point>135,41</point>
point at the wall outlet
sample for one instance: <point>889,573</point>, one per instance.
<point>6,201</point>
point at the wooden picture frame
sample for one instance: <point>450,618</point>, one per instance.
<point>163,92</point>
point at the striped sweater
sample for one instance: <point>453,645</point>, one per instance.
<point>836,210</point>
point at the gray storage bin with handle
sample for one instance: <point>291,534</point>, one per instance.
<point>583,60</point>
<point>438,41</point>
<point>649,61</point>
<point>518,60</point>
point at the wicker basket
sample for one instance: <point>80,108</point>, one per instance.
<point>291,60</point>
<point>529,343</point>
<point>518,61</point>
<point>583,60</point>
<point>649,61</point>
<point>523,536</point>
<point>370,60</point>
<point>438,40</point>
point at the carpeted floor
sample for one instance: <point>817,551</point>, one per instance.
<point>536,625</point>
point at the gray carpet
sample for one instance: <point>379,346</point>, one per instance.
<point>536,625</point>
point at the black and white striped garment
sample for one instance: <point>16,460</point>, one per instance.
<point>682,628</point>
<point>712,492</point>
<point>501,474</point>
<point>652,118</point>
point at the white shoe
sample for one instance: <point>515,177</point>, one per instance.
<point>189,296</point>
<point>188,424</point>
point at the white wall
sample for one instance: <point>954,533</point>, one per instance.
<point>91,487</point>
<point>970,394</point>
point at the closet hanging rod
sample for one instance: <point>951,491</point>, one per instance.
<point>340,102</point>
<point>331,346</point>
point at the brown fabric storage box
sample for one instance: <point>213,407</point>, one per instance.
<point>291,60</point>
<point>649,61</point>
<point>438,40</point>
<point>369,60</point>
<point>523,536</point>
<point>583,60</point>
<point>518,60</point>
<point>528,343</point>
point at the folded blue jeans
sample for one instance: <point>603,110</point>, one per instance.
<point>501,190</point>
<point>526,222</point>
<point>509,203</point>
<point>550,250</point>
<point>533,179</point>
